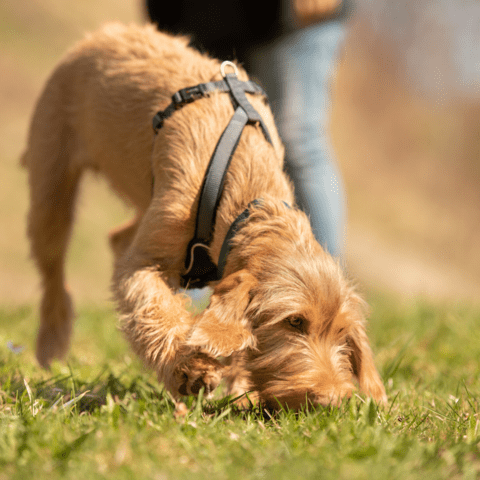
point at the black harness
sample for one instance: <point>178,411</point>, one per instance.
<point>199,268</point>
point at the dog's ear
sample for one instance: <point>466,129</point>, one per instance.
<point>363,366</point>
<point>223,327</point>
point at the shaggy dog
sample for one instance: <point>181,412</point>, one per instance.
<point>283,322</point>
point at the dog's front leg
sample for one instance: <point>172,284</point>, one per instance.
<point>156,323</point>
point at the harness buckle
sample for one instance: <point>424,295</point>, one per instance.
<point>187,95</point>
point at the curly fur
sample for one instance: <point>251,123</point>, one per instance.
<point>95,113</point>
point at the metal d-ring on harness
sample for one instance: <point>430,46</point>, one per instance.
<point>199,269</point>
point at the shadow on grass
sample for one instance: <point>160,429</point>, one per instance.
<point>68,392</point>
<point>65,390</point>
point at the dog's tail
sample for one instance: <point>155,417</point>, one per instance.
<point>53,179</point>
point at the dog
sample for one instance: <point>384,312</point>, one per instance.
<point>283,321</point>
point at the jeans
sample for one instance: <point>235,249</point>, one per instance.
<point>296,71</point>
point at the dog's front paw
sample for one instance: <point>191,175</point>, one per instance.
<point>196,371</point>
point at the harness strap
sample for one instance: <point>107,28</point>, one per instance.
<point>199,268</point>
<point>238,95</point>
<point>234,227</point>
<point>215,176</point>
<point>190,94</point>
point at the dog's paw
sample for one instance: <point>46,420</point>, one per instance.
<point>53,339</point>
<point>196,371</point>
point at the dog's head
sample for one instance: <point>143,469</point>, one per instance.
<point>300,327</point>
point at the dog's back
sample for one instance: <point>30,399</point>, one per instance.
<point>97,106</point>
<point>96,113</point>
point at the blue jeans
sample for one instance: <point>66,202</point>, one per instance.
<point>295,72</point>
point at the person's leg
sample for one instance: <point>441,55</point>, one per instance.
<point>296,72</point>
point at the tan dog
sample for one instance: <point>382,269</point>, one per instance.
<point>283,317</point>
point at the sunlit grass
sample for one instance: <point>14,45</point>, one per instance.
<point>101,415</point>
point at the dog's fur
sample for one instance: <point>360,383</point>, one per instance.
<point>286,322</point>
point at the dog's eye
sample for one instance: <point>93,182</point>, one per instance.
<point>296,322</point>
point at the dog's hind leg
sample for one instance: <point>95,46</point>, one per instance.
<point>53,187</point>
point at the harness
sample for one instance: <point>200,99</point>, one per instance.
<point>199,268</point>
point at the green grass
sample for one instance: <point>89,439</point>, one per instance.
<point>102,415</point>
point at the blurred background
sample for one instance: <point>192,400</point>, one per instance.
<point>405,126</point>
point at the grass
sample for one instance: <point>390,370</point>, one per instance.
<point>102,415</point>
